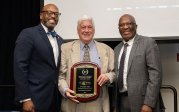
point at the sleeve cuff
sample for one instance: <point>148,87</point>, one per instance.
<point>21,101</point>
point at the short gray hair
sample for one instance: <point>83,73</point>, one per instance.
<point>83,18</point>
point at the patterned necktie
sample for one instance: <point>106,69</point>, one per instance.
<point>54,34</point>
<point>86,56</point>
<point>121,67</point>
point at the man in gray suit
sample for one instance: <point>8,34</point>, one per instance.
<point>140,71</point>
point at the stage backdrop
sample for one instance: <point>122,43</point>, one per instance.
<point>155,18</point>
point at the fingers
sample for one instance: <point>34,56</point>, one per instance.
<point>71,95</point>
<point>102,79</point>
<point>146,108</point>
<point>75,100</point>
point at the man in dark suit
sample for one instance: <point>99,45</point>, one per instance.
<point>36,61</point>
<point>140,70</point>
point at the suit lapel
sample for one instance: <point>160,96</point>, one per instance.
<point>45,38</point>
<point>60,42</point>
<point>100,52</point>
<point>133,51</point>
<point>75,52</point>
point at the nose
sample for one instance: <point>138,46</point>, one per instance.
<point>86,29</point>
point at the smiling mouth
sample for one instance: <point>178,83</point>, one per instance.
<point>86,34</point>
<point>51,21</point>
<point>126,33</point>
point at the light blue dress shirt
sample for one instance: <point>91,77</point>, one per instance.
<point>94,56</point>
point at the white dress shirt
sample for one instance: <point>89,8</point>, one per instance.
<point>54,44</point>
<point>129,47</point>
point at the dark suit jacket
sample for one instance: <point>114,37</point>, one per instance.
<point>35,72</point>
<point>144,73</point>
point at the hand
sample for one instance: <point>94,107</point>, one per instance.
<point>71,95</point>
<point>28,106</point>
<point>146,108</point>
<point>102,79</point>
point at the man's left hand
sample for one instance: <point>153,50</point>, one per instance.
<point>146,108</point>
<point>102,79</point>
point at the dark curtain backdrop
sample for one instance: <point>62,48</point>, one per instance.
<point>15,15</point>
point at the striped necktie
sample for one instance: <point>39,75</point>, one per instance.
<point>86,56</point>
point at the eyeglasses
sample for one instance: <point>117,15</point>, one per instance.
<point>126,24</point>
<point>50,13</point>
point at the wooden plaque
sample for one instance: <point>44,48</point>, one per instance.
<point>83,81</point>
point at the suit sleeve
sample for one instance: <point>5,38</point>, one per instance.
<point>22,55</point>
<point>110,69</point>
<point>62,83</point>
<point>154,72</point>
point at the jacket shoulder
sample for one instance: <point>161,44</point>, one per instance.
<point>145,38</point>
<point>68,45</point>
<point>32,28</point>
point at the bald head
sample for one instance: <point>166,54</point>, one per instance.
<point>128,16</point>
<point>47,6</point>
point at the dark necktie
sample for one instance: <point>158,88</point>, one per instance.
<point>86,56</point>
<point>121,67</point>
<point>54,34</point>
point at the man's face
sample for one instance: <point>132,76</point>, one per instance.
<point>49,16</point>
<point>127,27</point>
<point>86,31</point>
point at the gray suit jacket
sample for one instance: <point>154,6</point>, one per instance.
<point>70,56</point>
<point>144,73</point>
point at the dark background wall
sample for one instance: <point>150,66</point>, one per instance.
<point>15,15</point>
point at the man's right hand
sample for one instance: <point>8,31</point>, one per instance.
<point>28,106</point>
<point>71,95</point>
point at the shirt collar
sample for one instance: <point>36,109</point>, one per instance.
<point>130,42</point>
<point>90,44</point>
<point>45,28</point>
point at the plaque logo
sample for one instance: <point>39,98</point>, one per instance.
<point>85,71</point>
